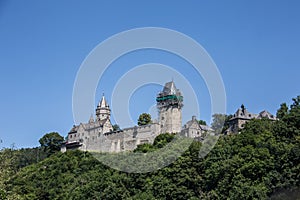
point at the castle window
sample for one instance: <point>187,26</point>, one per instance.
<point>71,136</point>
<point>249,115</point>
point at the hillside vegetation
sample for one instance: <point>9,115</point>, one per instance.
<point>261,162</point>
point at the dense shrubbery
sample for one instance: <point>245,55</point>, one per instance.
<point>259,163</point>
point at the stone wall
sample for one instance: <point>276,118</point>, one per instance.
<point>92,139</point>
<point>170,120</point>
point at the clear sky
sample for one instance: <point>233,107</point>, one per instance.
<point>255,45</point>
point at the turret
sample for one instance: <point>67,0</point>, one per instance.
<point>102,110</point>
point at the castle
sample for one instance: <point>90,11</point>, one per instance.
<point>98,134</point>
<point>242,116</point>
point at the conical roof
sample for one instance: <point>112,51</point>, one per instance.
<point>103,103</point>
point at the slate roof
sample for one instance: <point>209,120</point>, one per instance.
<point>193,121</point>
<point>244,114</point>
<point>89,126</point>
<point>170,89</point>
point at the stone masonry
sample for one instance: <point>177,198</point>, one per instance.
<point>98,135</point>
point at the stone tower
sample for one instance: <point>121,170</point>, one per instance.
<point>102,110</point>
<point>169,104</point>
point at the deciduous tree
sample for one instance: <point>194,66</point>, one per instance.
<point>51,142</point>
<point>144,119</point>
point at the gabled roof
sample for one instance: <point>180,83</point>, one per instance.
<point>243,114</point>
<point>195,121</point>
<point>266,114</point>
<point>206,128</point>
<point>89,125</point>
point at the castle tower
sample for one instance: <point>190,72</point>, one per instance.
<point>169,104</point>
<point>102,110</point>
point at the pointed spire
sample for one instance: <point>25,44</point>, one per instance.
<point>102,110</point>
<point>91,119</point>
<point>170,88</point>
<point>103,103</point>
<point>173,88</point>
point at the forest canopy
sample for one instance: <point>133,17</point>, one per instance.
<point>261,162</point>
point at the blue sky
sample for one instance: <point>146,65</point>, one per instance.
<point>255,45</point>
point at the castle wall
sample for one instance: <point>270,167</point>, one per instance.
<point>98,135</point>
<point>93,139</point>
<point>129,138</point>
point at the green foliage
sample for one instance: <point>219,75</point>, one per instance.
<point>262,161</point>
<point>220,122</point>
<point>51,142</point>
<point>202,122</point>
<point>144,119</point>
<point>159,142</point>
<point>116,127</point>
<point>12,161</point>
<point>282,111</point>
<point>144,148</point>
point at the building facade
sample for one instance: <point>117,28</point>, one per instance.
<point>98,134</point>
<point>242,115</point>
<point>193,129</point>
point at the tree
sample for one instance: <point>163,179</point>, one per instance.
<point>116,127</point>
<point>282,111</point>
<point>202,122</point>
<point>163,139</point>
<point>261,162</point>
<point>218,122</point>
<point>144,119</point>
<point>290,119</point>
<point>51,142</point>
<point>296,103</point>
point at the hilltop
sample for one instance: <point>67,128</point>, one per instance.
<point>261,162</point>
